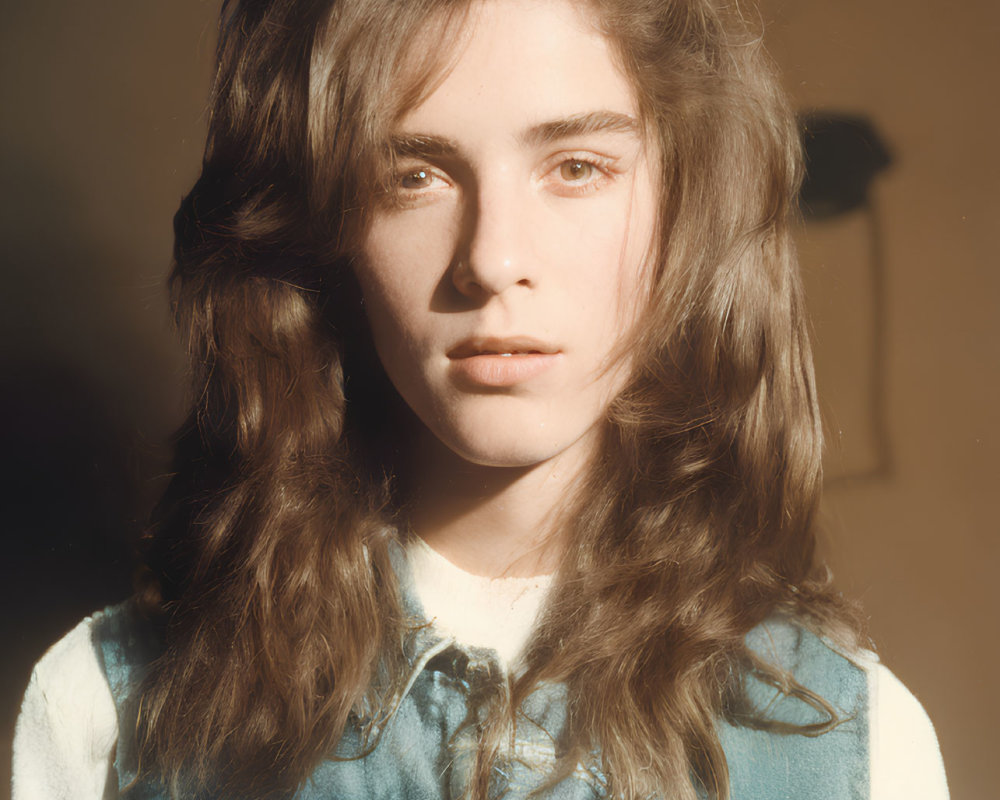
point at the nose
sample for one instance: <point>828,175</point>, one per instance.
<point>495,252</point>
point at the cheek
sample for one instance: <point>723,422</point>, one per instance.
<point>608,270</point>
<point>398,271</point>
<point>637,248</point>
<point>403,248</point>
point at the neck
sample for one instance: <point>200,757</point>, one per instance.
<point>492,521</point>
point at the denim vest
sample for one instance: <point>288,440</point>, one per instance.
<point>424,750</point>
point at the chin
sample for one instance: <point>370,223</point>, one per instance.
<point>501,457</point>
<point>512,445</point>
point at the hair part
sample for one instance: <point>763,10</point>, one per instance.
<point>269,569</point>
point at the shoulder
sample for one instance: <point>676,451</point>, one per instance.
<point>817,667</point>
<point>803,731</point>
<point>66,732</point>
<point>125,644</point>
<point>905,757</point>
<point>881,746</point>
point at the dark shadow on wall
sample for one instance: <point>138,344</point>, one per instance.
<point>844,153</point>
<point>83,394</point>
<point>69,498</point>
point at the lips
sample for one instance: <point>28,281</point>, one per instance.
<point>501,362</point>
<point>490,346</point>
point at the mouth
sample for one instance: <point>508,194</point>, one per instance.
<point>483,346</point>
<point>493,363</point>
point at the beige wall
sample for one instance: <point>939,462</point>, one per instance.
<point>103,126</point>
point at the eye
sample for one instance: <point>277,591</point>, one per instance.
<point>416,179</point>
<point>577,174</point>
<point>415,184</point>
<point>576,171</point>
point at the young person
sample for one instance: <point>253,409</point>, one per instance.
<point>504,457</point>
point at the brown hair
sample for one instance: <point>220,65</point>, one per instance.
<point>269,566</point>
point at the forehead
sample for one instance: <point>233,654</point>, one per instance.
<point>520,62</point>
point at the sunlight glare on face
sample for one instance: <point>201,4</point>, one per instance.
<point>508,264</point>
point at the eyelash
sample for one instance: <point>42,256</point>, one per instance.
<point>422,172</point>
<point>403,196</point>
<point>602,167</point>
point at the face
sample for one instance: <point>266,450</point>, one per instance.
<point>501,278</point>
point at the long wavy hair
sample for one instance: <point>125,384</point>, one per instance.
<point>268,574</point>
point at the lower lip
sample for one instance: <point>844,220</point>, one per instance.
<point>497,370</point>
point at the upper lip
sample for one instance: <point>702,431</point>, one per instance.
<point>492,345</point>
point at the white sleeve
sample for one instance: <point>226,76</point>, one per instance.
<point>64,741</point>
<point>905,758</point>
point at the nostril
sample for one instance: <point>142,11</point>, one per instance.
<point>482,276</point>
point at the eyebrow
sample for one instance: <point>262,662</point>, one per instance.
<point>580,125</point>
<point>420,145</point>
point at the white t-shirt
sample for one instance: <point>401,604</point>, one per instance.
<point>64,742</point>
